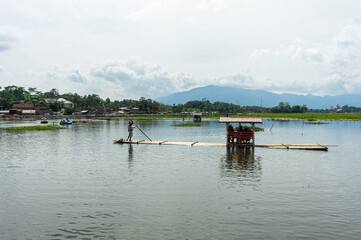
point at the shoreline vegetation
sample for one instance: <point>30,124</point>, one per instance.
<point>282,117</point>
<point>310,116</point>
<point>15,101</point>
<point>32,128</point>
<point>191,124</point>
<point>316,123</point>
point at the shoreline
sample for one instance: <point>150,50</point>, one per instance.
<point>309,117</point>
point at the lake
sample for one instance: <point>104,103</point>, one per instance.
<point>76,184</point>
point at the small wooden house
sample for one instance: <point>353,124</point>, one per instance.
<point>240,135</point>
<point>197,117</point>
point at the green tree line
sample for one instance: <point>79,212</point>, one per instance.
<point>14,94</point>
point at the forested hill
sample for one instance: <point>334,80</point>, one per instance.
<point>262,98</point>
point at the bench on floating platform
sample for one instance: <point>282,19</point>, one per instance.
<point>240,137</point>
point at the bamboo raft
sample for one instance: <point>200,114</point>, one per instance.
<point>315,146</point>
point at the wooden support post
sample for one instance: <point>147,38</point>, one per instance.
<point>239,138</point>
<point>227,125</point>
<point>253,134</point>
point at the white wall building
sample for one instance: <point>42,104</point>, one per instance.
<point>65,103</point>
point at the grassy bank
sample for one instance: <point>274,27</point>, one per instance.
<point>311,116</point>
<point>316,123</point>
<point>152,117</point>
<point>188,125</point>
<point>259,129</point>
<point>32,128</point>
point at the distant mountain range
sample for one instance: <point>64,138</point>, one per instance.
<point>262,98</point>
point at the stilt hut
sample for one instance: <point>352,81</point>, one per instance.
<point>242,135</point>
<point>197,117</point>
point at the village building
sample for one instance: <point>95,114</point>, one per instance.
<point>28,109</point>
<point>64,103</point>
<point>5,112</point>
<point>124,109</point>
<point>24,109</point>
<point>77,110</point>
<point>96,110</point>
<point>41,110</point>
<point>49,100</point>
<point>134,110</point>
<point>84,112</point>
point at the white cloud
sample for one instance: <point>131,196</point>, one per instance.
<point>30,73</point>
<point>348,34</point>
<point>338,63</point>
<point>52,75</point>
<point>196,43</point>
<point>75,76</point>
<point>166,8</point>
<point>344,65</point>
<point>139,79</point>
<point>7,38</point>
<point>296,51</point>
<point>210,5</point>
<point>2,69</point>
<point>259,53</point>
<point>61,78</point>
<point>150,9</point>
<point>309,54</point>
<point>133,79</point>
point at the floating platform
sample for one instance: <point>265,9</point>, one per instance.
<point>315,146</point>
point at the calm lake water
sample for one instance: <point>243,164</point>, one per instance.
<point>76,184</point>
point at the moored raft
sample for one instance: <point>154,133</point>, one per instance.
<point>241,136</point>
<point>314,146</point>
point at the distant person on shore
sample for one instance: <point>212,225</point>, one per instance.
<point>130,130</point>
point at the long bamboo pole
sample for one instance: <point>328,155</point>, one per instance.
<point>139,128</point>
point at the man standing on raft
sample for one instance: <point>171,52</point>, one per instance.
<point>130,130</point>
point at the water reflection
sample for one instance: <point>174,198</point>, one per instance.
<point>241,164</point>
<point>130,156</point>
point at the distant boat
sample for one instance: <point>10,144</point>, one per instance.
<point>66,122</point>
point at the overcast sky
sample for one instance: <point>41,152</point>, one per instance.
<point>128,49</point>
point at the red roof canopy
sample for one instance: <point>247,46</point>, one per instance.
<point>239,120</point>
